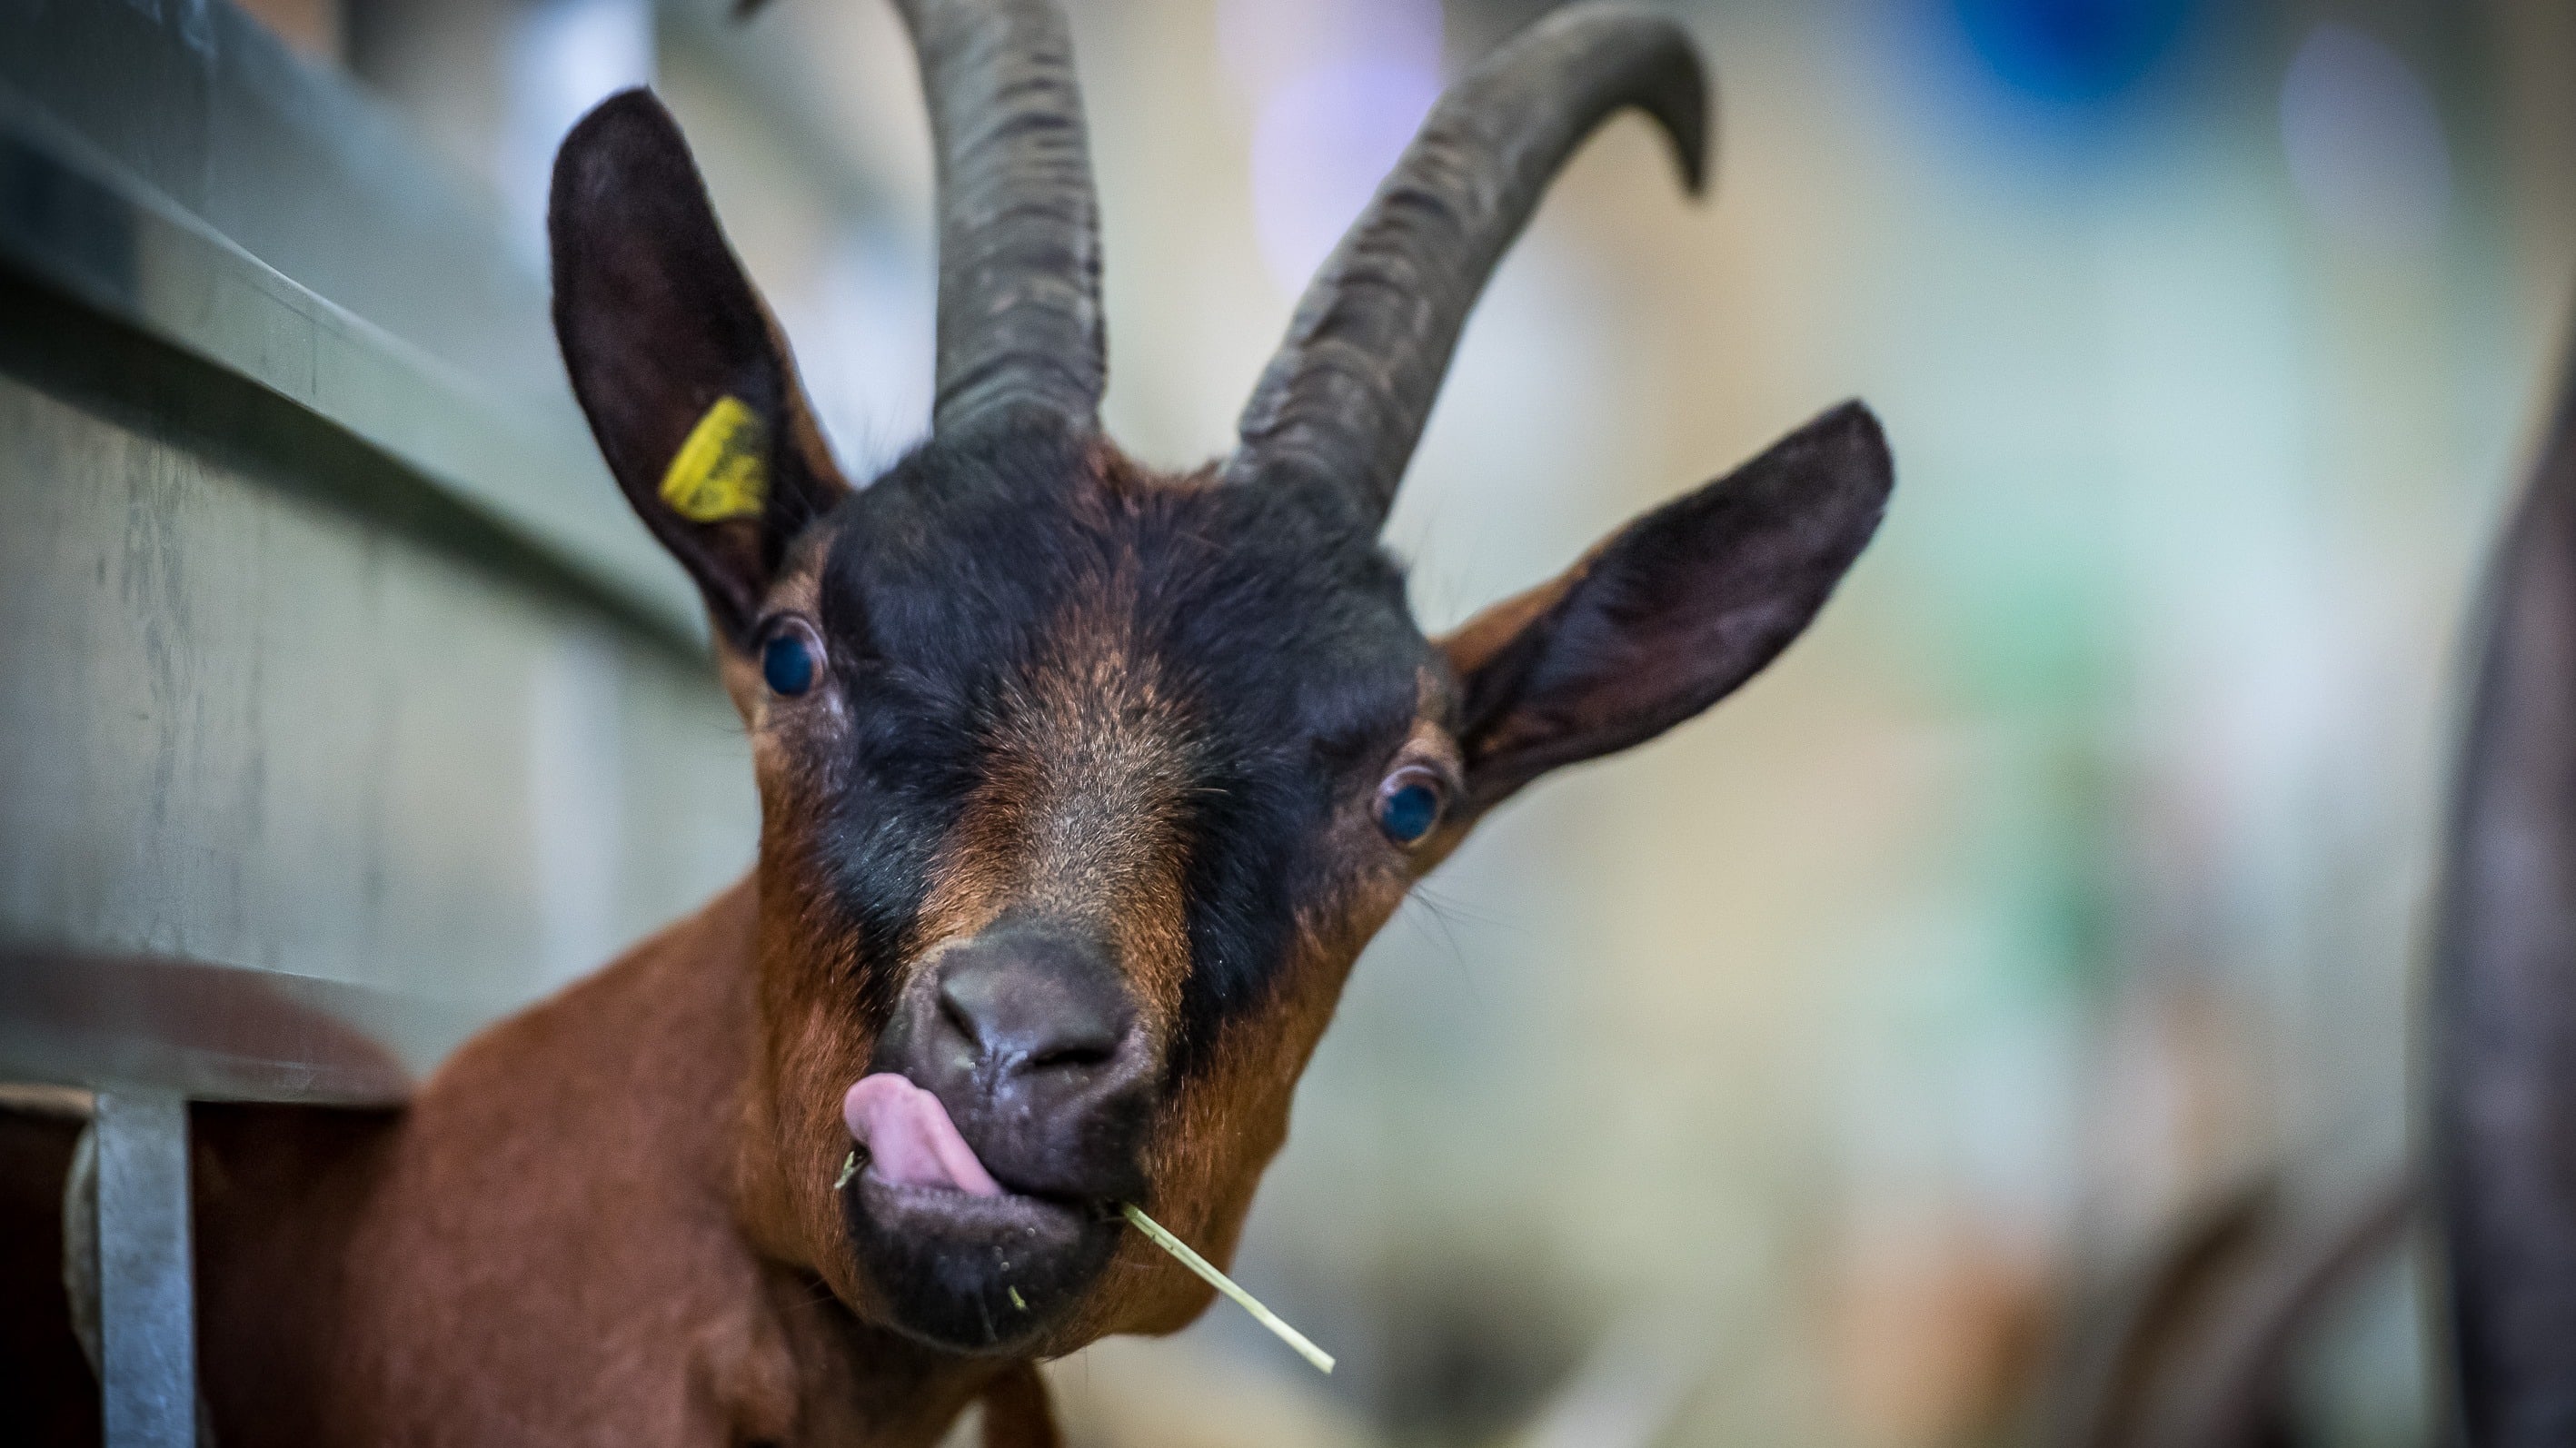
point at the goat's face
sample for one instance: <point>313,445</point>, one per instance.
<point>1097,784</point>
<point>1082,786</point>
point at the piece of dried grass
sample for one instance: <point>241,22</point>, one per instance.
<point>1153,1230</point>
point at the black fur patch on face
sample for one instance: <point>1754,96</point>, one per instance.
<point>1285,642</point>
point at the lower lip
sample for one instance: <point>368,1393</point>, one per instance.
<point>969,1273</point>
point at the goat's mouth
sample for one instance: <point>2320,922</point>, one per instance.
<point>962,1260</point>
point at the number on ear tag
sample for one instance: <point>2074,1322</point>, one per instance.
<point>722,470</point>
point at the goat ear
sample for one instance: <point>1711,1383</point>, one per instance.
<point>1671,613</point>
<point>680,367</point>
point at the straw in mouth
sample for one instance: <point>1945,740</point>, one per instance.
<point>1155,1232</point>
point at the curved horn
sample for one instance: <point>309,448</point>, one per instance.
<point>1343,402</point>
<point>1019,233</point>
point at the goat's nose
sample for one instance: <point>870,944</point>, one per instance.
<point>1029,1037</point>
<point>1026,1003</point>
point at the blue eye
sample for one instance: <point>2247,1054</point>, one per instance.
<point>1407,808</point>
<point>787,663</point>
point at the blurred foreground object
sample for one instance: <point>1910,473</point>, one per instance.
<point>2503,1032</point>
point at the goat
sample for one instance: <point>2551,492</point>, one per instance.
<point>1081,788</point>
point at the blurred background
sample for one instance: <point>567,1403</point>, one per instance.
<point>1796,1079</point>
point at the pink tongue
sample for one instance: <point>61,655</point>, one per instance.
<point>910,1140</point>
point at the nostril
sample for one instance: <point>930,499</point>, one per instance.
<point>1026,1003</point>
<point>1079,1055</point>
<point>960,1017</point>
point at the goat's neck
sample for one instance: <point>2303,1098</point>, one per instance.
<point>647,1075</point>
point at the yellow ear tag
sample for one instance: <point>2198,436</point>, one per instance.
<point>721,471</point>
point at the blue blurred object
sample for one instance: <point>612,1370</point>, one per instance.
<point>2072,52</point>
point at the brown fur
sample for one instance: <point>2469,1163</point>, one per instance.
<point>1212,1142</point>
<point>574,1233</point>
<point>1078,815</point>
<point>541,1248</point>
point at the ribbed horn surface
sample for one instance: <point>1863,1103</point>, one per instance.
<point>1019,232</point>
<point>1343,403</point>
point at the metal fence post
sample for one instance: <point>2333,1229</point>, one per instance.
<point>147,1297</point>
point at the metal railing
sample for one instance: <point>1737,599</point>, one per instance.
<point>343,705</point>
